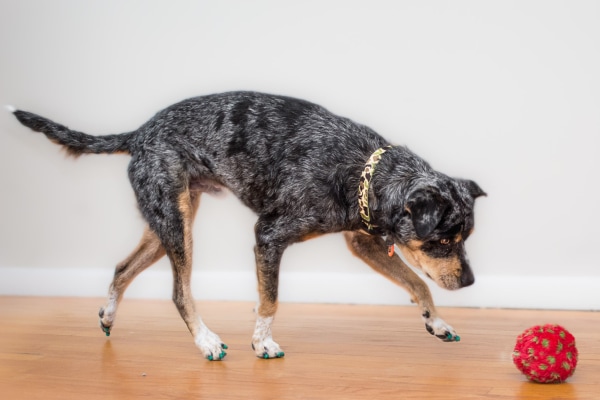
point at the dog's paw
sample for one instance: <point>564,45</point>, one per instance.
<point>211,346</point>
<point>267,348</point>
<point>440,329</point>
<point>105,322</point>
<point>262,340</point>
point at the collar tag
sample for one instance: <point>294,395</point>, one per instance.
<point>391,250</point>
<point>390,246</point>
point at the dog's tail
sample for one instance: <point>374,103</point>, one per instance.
<point>75,143</point>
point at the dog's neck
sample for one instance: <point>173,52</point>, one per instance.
<point>363,190</point>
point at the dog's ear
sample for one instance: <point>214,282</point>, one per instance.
<point>426,208</point>
<point>473,188</point>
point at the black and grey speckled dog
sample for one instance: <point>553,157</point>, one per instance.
<point>299,168</point>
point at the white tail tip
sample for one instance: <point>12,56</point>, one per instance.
<point>10,108</point>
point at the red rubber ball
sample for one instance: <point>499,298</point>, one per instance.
<point>546,353</point>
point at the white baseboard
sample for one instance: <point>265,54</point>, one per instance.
<point>557,292</point>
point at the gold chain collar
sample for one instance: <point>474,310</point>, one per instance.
<point>364,185</point>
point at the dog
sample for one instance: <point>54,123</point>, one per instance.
<point>305,172</point>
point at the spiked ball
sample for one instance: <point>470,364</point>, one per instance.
<point>546,353</point>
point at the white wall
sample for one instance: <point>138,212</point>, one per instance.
<point>505,93</point>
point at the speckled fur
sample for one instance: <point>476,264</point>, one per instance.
<point>297,166</point>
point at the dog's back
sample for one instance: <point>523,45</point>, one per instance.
<point>273,152</point>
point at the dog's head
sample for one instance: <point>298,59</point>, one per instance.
<point>431,229</point>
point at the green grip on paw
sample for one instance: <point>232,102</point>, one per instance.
<point>277,355</point>
<point>222,355</point>
<point>451,338</point>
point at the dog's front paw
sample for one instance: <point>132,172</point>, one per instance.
<point>266,348</point>
<point>211,345</point>
<point>440,329</point>
<point>262,341</point>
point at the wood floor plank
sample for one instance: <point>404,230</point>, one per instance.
<point>52,348</point>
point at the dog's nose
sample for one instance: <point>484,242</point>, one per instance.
<point>467,278</point>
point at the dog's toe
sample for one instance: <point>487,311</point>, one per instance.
<point>105,329</point>
<point>218,355</point>
<point>449,337</point>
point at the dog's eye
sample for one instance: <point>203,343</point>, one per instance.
<point>445,241</point>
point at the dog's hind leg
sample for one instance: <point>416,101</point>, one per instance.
<point>178,244</point>
<point>373,250</point>
<point>169,206</point>
<point>148,251</point>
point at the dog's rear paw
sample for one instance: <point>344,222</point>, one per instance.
<point>440,329</point>
<point>267,348</point>
<point>105,323</point>
<point>211,346</point>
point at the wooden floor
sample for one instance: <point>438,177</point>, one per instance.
<point>52,348</point>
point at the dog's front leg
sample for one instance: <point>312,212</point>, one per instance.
<point>373,250</point>
<point>268,256</point>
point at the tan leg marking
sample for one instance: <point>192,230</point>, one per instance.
<point>148,251</point>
